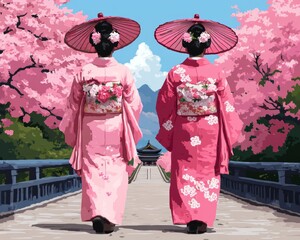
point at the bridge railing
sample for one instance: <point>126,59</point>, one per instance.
<point>15,194</point>
<point>281,190</point>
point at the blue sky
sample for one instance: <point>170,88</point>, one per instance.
<point>152,13</point>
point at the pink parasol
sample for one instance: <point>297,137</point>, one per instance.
<point>170,34</point>
<point>78,36</point>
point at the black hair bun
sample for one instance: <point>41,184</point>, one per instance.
<point>195,48</point>
<point>105,28</point>
<point>105,47</point>
<point>196,30</point>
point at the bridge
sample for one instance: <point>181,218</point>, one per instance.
<point>49,207</point>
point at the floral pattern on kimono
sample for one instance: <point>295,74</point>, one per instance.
<point>200,143</point>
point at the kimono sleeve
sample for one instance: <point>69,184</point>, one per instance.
<point>131,95</point>
<point>232,118</point>
<point>166,112</point>
<point>69,123</point>
<point>132,107</point>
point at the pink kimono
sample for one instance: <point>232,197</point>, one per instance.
<point>198,125</point>
<point>101,124</point>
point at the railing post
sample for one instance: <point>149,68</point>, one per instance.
<point>236,172</point>
<point>34,173</point>
<point>13,175</point>
<point>72,172</point>
<point>234,185</point>
<point>37,177</point>
<point>16,195</point>
<point>288,179</point>
<point>13,181</point>
<point>281,180</point>
<point>281,176</point>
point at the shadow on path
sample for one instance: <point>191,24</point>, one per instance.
<point>88,228</point>
<point>160,228</point>
<point>69,227</point>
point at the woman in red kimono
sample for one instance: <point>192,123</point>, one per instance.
<point>198,125</point>
<point>101,123</point>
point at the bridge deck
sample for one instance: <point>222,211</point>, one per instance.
<point>147,216</point>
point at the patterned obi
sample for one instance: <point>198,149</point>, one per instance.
<point>103,98</point>
<point>197,99</point>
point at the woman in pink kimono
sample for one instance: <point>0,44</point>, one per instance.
<point>101,124</point>
<point>198,125</point>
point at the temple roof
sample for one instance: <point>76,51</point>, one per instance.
<point>149,148</point>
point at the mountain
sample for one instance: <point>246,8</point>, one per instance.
<point>148,119</point>
<point>148,97</point>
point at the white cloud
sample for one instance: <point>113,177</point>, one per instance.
<point>151,116</point>
<point>146,68</point>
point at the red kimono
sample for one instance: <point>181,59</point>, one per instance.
<point>198,125</point>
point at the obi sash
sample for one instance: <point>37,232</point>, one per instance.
<point>196,99</point>
<point>103,98</point>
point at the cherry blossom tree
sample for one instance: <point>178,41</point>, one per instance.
<point>164,161</point>
<point>264,72</point>
<point>36,66</point>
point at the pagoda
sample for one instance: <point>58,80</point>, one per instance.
<point>149,154</point>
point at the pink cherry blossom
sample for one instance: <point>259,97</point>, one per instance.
<point>9,132</point>
<point>289,106</point>
<point>6,122</point>
<point>187,37</point>
<point>26,118</point>
<point>165,161</point>
<point>204,36</point>
<point>114,37</point>
<point>32,53</point>
<point>61,1</point>
<point>263,76</point>
<point>96,36</point>
<point>52,122</point>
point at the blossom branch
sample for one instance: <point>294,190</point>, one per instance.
<point>23,111</point>
<point>7,30</point>
<point>12,75</point>
<point>37,36</point>
<point>12,87</point>
<point>19,21</point>
<point>266,74</point>
<point>272,103</point>
<point>276,106</point>
<point>50,112</point>
<point>264,106</point>
<point>286,119</point>
<point>4,6</point>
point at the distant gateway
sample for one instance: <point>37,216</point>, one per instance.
<point>149,154</point>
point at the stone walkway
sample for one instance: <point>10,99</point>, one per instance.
<point>148,217</point>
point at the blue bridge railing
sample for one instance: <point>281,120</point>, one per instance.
<point>282,191</point>
<point>19,194</point>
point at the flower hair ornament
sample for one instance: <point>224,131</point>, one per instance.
<point>96,36</point>
<point>188,37</point>
<point>113,37</point>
